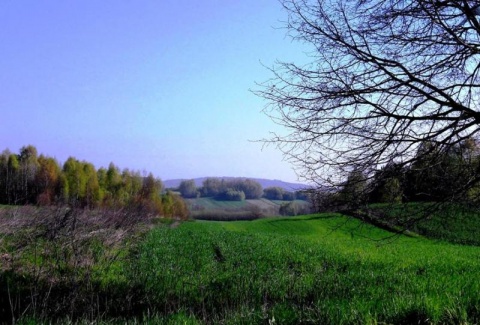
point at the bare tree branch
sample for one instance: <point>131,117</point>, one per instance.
<point>385,76</point>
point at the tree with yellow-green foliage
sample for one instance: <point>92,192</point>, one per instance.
<point>27,178</point>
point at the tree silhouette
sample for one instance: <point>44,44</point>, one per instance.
<point>384,77</point>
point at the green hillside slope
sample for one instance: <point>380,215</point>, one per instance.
<point>454,223</point>
<point>319,269</point>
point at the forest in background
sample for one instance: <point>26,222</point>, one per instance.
<point>29,178</point>
<point>237,189</point>
<point>436,175</point>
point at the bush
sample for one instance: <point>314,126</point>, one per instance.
<point>273,193</point>
<point>231,195</point>
<point>188,189</point>
<point>289,196</point>
<point>293,209</point>
<point>289,209</point>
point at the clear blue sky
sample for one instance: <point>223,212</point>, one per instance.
<point>160,86</point>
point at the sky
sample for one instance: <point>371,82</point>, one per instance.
<point>154,86</point>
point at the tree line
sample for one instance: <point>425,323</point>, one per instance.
<point>435,176</point>
<point>236,190</point>
<point>29,178</point>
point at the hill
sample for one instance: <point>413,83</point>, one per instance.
<point>317,269</point>
<point>454,223</point>
<point>287,186</point>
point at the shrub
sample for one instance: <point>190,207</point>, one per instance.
<point>293,209</point>
<point>289,196</point>
<point>188,189</point>
<point>273,193</point>
<point>231,195</point>
<point>289,209</point>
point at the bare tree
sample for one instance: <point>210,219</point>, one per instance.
<point>384,77</point>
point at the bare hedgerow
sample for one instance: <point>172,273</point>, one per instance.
<point>50,257</point>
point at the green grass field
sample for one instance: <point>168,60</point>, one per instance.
<point>453,223</point>
<point>325,269</point>
<point>315,269</point>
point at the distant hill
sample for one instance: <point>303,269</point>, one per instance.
<point>173,183</point>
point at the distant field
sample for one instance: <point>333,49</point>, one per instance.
<point>209,208</point>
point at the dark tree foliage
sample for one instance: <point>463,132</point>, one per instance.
<point>438,175</point>
<point>273,193</point>
<point>251,188</point>
<point>188,189</point>
<point>211,187</point>
<point>302,195</point>
<point>289,196</point>
<point>231,194</point>
<point>354,189</point>
<point>293,209</point>
<point>388,184</point>
<point>384,77</point>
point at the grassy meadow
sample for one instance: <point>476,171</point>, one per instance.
<point>449,222</point>
<point>314,269</point>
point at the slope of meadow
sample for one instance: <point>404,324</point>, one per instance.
<point>316,269</point>
<point>448,222</point>
<point>325,269</point>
